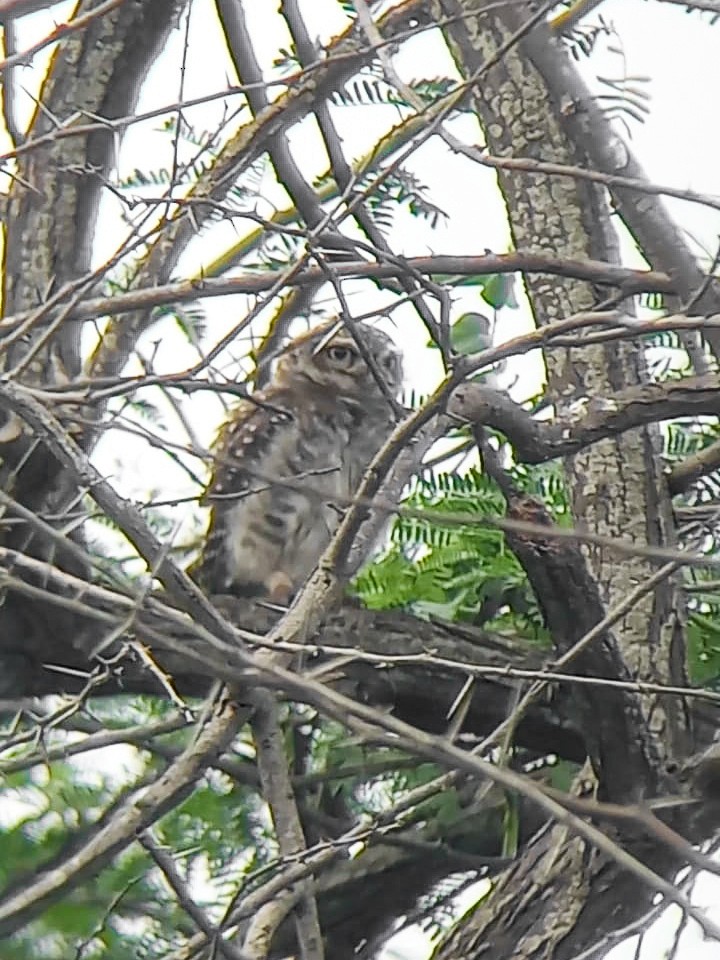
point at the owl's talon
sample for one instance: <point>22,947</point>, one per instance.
<point>279,587</point>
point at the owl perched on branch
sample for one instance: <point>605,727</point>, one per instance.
<point>288,461</point>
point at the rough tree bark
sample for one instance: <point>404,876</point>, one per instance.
<point>51,215</point>
<point>554,901</point>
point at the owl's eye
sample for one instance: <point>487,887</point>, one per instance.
<point>342,357</point>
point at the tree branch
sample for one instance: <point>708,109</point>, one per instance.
<point>536,441</point>
<point>661,241</point>
<point>134,816</point>
<point>630,281</point>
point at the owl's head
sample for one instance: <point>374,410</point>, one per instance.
<point>330,358</point>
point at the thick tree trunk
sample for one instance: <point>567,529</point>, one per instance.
<point>557,899</point>
<point>53,203</point>
<point>52,210</point>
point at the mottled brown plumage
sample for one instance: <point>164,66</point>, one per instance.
<point>316,426</point>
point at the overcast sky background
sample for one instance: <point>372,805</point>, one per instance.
<point>679,145</point>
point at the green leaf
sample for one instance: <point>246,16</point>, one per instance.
<point>511,827</point>
<point>499,291</point>
<point>703,648</point>
<point>471,333</point>
<point>452,279</point>
<point>561,774</point>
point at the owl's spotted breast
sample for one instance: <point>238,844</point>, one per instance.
<point>287,464</point>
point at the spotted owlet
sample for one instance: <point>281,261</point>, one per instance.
<point>288,461</point>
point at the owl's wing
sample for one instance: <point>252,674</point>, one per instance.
<point>244,438</point>
<point>245,454</point>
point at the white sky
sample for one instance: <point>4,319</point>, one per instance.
<point>678,145</point>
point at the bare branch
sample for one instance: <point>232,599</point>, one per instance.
<point>165,863</point>
<point>60,31</point>
<point>536,441</point>
<point>279,795</point>
<point>442,268</point>
<point>134,816</point>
